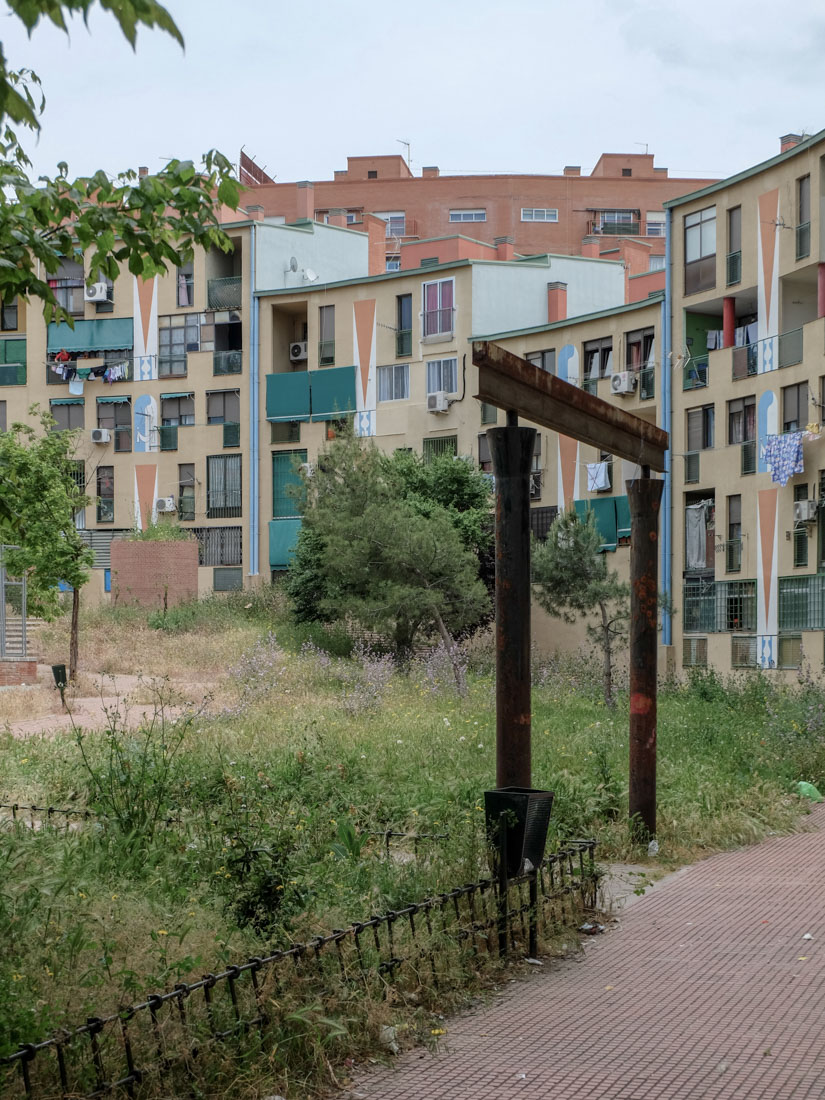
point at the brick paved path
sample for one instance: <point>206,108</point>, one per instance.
<point>707,989</point>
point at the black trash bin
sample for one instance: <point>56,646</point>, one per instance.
<point>59,673</point>
<point>527,817</point>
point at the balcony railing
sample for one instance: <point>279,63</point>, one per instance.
<point>647,382</point>
<point>615,229</point>
<point>231,434</point>
<point>784,350</point>
<point>733,556</point>
<point>172,366</point>
<point>802,602</point>
<point>716,607</point>
<point>127,371</point>
<point>748,457</point>
<point>803,240</point>
<point>227,362</point>
<point>733,268</point>
<point>105,509</point>
<point>12,374</point>
<point>224,293</point>
<point>695,373</point>
<point>403,342</point>
<point>123,438</point>
<point>790,347</point>
<point>168,437</point>
<point>223,503</point>
<point>326,353</point>
<point>744,361</point>
<point>591,385</point>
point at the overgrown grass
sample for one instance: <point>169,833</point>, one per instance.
<point>277,797</point>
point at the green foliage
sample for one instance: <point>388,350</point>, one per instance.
<point>162,531</point>
<point>39,499</point>
<point>391,544</point>
<point>144,224</point>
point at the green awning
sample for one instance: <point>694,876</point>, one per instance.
<point>622,517</point>
<point>283,534</point>
<point>332,392</point>
<point>287,396</point>
<point>112,400</point>
<point>102,334</point>
<point>604,512</point>
<point>189,393</point>
<point>66,401</point>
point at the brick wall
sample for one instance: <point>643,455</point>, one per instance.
<point>18,670</point>
<point>146,573</point>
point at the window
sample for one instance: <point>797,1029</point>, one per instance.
<point>790,650</point>
<point>227,580</point>
<point>538,214</point>
<point>105,494</point>
<point>803,217</point>
<point>186,286</point>
<point>108,303</point>
<point>223,486</point>
<point>115,414</point>
<point>186,491</point>
<point>438,307</point>
<point>68,415</point>
<point>468,215</point>
<point>394,382</point>
<point>177,409</point>
<point>616,222</point>
<point>285,431</point>
<point>286,484</point>
<point>2,416</point>
<point>735,229</point>
<point>489,413</point>
<point>639,347</point>
<point>223,407</point>
<point>598,359</point>
<point>656,263</point>
<point>544,360</point>
<point>68,285</point>
<point>794,407</point>
<point>372,174</point>
<point>743,651</point>
<point>442,374</point>
<point>326,338</point>
<point>742,420</point>
<point>8,316</point>
<point>700,250</point>
<point>403,325</point>
<point>800,531</point>
<point>733,557</point>
<point>396,222</point>
<point>656,221</point>
<point>694,652</point>
<point>541,520</point>
<point>393,265</point>
<point>443,445</point>
<point>700,428</point>
<point>219,545</point>
<point>177,335</point>
<point>627,171</point>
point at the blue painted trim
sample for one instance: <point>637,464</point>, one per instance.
<point>254,428</point>
<point>666,566</point>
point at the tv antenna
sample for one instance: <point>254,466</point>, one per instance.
<point>406,145</point>
<point>642,143</point>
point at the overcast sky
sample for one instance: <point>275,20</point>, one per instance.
<point>526,86</point>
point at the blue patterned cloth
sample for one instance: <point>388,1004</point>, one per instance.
<point>783,453</point>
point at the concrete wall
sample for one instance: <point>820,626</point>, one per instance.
<point>331,252</point>
<point>154,574</point>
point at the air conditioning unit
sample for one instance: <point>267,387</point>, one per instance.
<point>97,292</point>
<point>624,381</point>
<point>804,511</point>
<point>297,351</point>
<point>437,402</point>
<point>100,435</point>
<point>165,504</point>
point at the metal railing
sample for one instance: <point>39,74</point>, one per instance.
<point>227,362</point>
<point>13,639</point>
<point>403,342</point>
<point>12,374</point>
<point>224,293</point>
<point>787,346</point>
<point>326,353</point>
<point>802,602</point>
<point>695,373</point>
<point>733,556</point>
<point>716,607</point>
<point>691,467</point>
<point>803,240</point>
<point>223,503</point>
<point>168,437</point>
<point>105,510</point>
<point>647,383</point>
<point>478,924</point>
<point>615,229</point>
<point>733,268</point>
<point>591,385</point>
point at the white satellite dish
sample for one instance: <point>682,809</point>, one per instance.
<point>310,275</point>
<point>293,264</point>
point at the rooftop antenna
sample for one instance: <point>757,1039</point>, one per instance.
<point>406,145</point>
<point>642,143</point>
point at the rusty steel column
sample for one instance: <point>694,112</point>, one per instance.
<point>511,450</point>
<point>645,497</point>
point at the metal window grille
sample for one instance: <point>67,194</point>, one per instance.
<point>168,437</point>
<point>790,650</point>
<point>743,651</point>
<point>802,602</point>
<point>695,373</point>
<point>647,382</point>
<point>286,498</point>
<point>227,362</point>
<point>694,652</point>
<point>716,607</point>
<point>541,520</point>
<point>219,545</point>
<point>227,579</point>
<point>442,445</point>
<point>733,556</point>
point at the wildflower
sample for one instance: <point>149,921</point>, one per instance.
<point>25,760</point>
<point>399,742</point>
<point>17,977</point>
<point>462,738</point>
<point>446,722</point>
<point>80,894</point>
<point>114,897</point>
<point>162,932</point>
<point>363,756</point>
<point>480,745</point>
<point>438,1031</point>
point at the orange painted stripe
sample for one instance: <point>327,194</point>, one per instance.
<point>147,479</point>
<point>364,329</point>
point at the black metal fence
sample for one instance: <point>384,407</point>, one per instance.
<point>246,1008</point>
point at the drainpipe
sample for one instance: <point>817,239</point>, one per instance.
<point>254,401</point>
<point>667,424</point>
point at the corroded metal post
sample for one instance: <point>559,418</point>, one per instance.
<point>645,497</point>
<point>511,449</point>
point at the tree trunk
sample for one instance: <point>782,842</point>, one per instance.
<point>449,645</point>
<point>607,658</point>
<point>74,633</point>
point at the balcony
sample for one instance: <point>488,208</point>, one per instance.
<point>733,268</point>
<point>614,229</point>
<point>647,383</point>
<point>717,607</point>
<point>695,373</point>
<point>803,240</point>
<point>227,362</point>
<point>733,556</point>
<point>591,385</point>
<point>224,293</point>
<point>802,602</point>
<point>692,467</point>
<point>403,342</point>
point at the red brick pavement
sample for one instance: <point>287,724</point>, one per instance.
<point>707,989</point>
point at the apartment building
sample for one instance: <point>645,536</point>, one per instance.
<point>747,300</point>
<point>621,198</point>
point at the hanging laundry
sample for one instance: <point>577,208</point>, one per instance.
<point>696,542</point>
<point>713,340</point>
<point>739,336</point>
<point>76,386</point>
<point>783,453</point>
<point>598,477</point>
<point>751,332</point>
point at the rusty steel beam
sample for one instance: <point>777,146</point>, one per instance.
<point>511,450</point>
<point>645,496</point>
<point>512,383</point>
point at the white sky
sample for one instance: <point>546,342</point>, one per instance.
<point>474,86</point>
